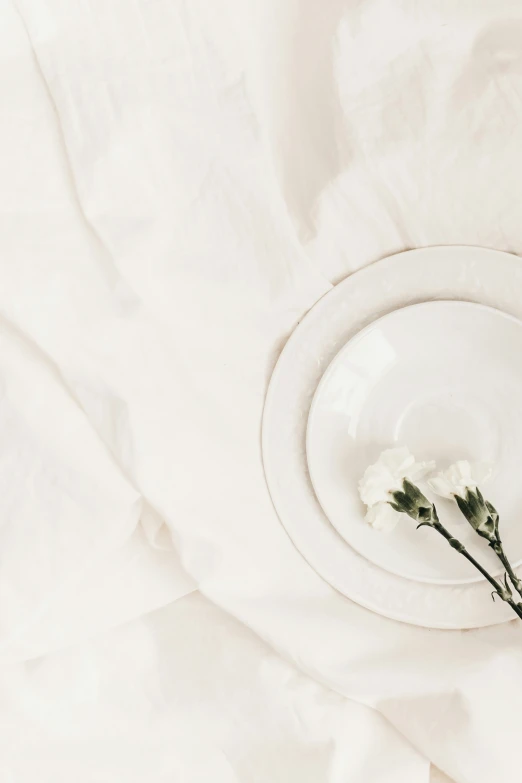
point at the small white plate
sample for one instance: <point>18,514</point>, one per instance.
<point>445,379</point>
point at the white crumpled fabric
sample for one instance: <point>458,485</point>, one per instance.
<point>181,181</point>
<point>187,694</point>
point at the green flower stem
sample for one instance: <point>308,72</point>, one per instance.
<point>498,549</point>
<point>502,591</point>
<point>410,500</point>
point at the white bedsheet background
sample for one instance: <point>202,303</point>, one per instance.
<point>180,182</point>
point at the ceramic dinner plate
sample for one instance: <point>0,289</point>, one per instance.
<point>438,273</point>
<point>445,379</point>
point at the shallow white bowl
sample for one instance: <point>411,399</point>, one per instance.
<point>445,379</point>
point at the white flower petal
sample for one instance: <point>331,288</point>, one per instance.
<point>460,477</point>
<point>397,460</point>
<point>441,486</point>
<point>388,473</point>
<point>382,517</point>
<point>420,470</point>
<point>462,469</point>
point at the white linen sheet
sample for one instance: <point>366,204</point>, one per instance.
<point>180,182</point>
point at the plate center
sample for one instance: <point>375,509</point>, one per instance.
<point>447,427</point>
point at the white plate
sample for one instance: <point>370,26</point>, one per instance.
<point>475,274</point>
<point>445,379</point>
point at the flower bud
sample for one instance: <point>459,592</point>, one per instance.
<point>481,515</point>
<point>412,502</point>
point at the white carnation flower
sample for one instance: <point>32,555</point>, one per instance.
<point>459,478</point>
<point>388,473</point>
<point>385,477</point>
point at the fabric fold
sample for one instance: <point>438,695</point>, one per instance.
<point>174,169</point>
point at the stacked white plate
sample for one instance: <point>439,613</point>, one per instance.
<point>422,349</point>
